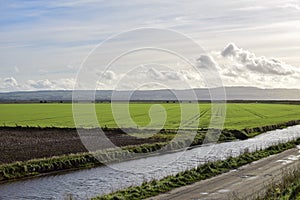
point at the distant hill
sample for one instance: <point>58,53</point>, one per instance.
<point>233,93</point>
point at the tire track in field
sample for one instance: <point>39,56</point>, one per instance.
<point>139,115</point>
<point>196,117</point>
<point>191,120</point>
<point>254,113</point>
<point>134,117</point>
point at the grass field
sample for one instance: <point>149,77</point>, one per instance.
<point>238,116</point>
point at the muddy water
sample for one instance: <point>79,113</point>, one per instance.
<point>85,184</point>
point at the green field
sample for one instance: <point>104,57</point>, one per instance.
<point>60,115</point>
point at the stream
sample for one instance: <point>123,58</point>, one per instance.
<point>84,184</point>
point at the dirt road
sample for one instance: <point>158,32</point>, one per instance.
<point>243,183</point>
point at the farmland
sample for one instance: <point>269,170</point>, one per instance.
<point>55,133</point>
<point>239,116</point>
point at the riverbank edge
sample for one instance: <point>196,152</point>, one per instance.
<point>65,163</point>
<point>202,172</point>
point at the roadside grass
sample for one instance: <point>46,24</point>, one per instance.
<point>238,115</point>
<point>288,188</point>
<point>205,171</point>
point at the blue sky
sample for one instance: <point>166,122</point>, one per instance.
<point>43,43</point>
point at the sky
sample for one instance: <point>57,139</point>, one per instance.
<point>46,45</point>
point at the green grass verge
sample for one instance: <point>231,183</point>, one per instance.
<point>288,188</point>
<point>155,187</point>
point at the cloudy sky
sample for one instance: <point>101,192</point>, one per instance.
<point>249,42</point>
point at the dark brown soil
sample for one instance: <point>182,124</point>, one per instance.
<point>21,144</point>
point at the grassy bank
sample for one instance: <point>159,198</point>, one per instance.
<point>288,188</point>
<point>188,177</point>
<point>37,167</point>
<point>87,160</point>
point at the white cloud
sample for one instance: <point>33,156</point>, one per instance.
<point>206,62</point>
<point>40,84</point>
<point>290,5</point>
<point>240,67</point>
<point>109,75</point>
<point>8,84</point>
<point>65,84</point>
<point>251,8</point>
<point>237,66</point>
<point>60,84</point>
<point>261,64</point>
<point>155,74</point>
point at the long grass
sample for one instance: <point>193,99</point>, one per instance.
<point>287,188</point>
<point>36,167</point>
